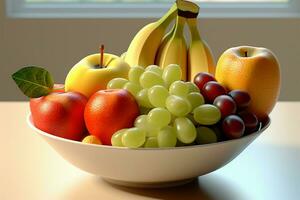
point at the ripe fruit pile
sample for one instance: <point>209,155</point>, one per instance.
<point>176,113</point>
<point>141,99</point>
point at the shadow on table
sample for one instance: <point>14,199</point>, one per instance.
<point>205,188</point>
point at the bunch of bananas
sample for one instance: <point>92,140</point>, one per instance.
<point>152,45</point>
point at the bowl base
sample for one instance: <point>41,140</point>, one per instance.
<point>150,184</point>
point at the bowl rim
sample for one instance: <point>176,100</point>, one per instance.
<point>31,125</point>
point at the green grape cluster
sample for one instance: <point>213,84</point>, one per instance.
<point>170,110</point>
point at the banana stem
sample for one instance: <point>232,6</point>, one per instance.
<point>173,29</point>
<point>188,7</point>
<point>169,16</point>
<point>180,22</point>
<point>193,26</point>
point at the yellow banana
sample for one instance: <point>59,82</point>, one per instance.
<point>123,55</point>
<point>200,58</point>
<point>174,49</point>
<point>143,48</point>
<point>168,36</point>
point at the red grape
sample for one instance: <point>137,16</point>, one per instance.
<point>211,90</point>
<point>226,105</point>
<point>202,78</point>
<point>218,132</point>
<point>250,121</point>
<point>233,127</point>
<point>241,98</point>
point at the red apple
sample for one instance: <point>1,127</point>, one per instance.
<point>60,114</point>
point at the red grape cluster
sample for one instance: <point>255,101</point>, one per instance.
<point>236,120</point>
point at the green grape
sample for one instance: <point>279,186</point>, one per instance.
<point>191,144</point>
<point>149,79</point>
<point>192,87</point>
<point>144,110</point>
<point>167,137</point>
<point>205,135</point>
<point>178,106</point>
<point>151,142</point>
<point>180,144</point>
<point>173,117</point>
<point>219,134</point>
<point>171,73</point>
<point>152,131</point>
<point>155,69</point>
<point>190,116</point>
<point>135,73</point>
<point>142,99</point>
<point>132,88</point>
<point>141,122</point>
<point>158,95</point>
<point>196,99</point>
<point>159,117</point>
<point>116,83</point>
<point>133,138</point>
<point>207,114</point>
<point>179,88</point>
<point>185,130</point>
<point>116,139</point>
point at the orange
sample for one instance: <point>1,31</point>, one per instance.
<point>108,111</point>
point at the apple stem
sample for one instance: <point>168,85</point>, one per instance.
<point>101,55</point>
<point>246,54</point>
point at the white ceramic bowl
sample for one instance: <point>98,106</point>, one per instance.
<point>148,167</point>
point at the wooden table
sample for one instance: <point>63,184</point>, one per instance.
<point>268,169</point>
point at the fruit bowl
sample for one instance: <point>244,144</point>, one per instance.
<point>148,167</point>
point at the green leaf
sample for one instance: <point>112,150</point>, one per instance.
<point>34,81</point>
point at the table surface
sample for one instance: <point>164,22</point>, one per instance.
<point>268,169</point>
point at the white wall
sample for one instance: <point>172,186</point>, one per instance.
<point>57,44</point>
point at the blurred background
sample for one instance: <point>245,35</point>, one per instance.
<point>56,34</point>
